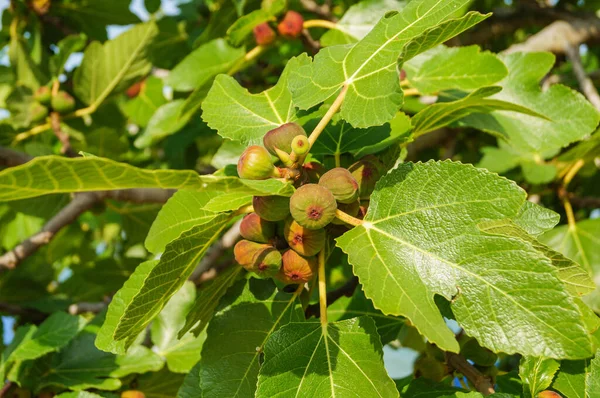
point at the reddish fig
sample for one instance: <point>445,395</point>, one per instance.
<point>62,102</point>
<point>341,184</point>
<point>313,206</point>
<point>245,252</point>
<point>307,242</point>
<point>402,74</point>
<point>132,394</point>
<point>271,208</point>
<point>37,112</point>
<point>256,229</point>
<point>300,145</point>
<point>263,34</point>
<point>366,172</point>
<point>256,164</point>
<point>352,209</point>
<point>43,95</point>
<point>313,171</point>
<point>292,25</point>
<point>296,268</point>
<point>281,137</point>
<point>549,394</point>
<point>267,263</point>
<point>135,89</point>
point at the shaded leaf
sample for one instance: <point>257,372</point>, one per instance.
<point>537,374</point>
<point>141,108</point>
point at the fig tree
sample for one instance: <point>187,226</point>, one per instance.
<point>341,183</point>
<point>62,102</point>
<point>271,208</point>
<point>366,172</point>
<point>257,229</point>
<point>307,242</point>
<point>296,268</point>
<point>281,138</point>
<point>43,95</point>
<point>291,25</point>
<point>256,164</point>
<point>313,206</point>
<point>263,34</point>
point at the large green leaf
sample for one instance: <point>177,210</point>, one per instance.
<point>368,70</point>
<point>536,374</point>
<point>341,359</point>
<point>180,353</point>
<point>115,65</point>
<point>420,238</point>
<point>191,384</point>
<point>236,114</point>
<point>462,68</point>
<point>67,46</point>
<point>164,122</point>
<point>424,388</point>
<point>148,101</point>
<point>579,379</point>
<point>236,337</point>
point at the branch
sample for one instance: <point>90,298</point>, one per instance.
<point>10,158</point>
<point>346,290</point>
<point>590,202</point>
<point>322,10</point>
<point>82,308</point>
<point>585,82</point>
<point>481,382</point>
<point>79,205</point>
<point>15,310</point>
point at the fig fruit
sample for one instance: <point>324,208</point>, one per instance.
<point>132,394</point>
<point>256,164</point>
<point>366,172</point>
<point>430,368</point>
<point>37,112</point>
<point>313,171</point>
<point>62,102</point>
<point>313,206</point>
<point>291,25</point>
<point>246,251</point>
<point>307,242</point>
<point>281,138</point>
<point>263,34</point>
<point>257,229</point>
<point>352,209</point>
<point>43,95</point>
<point>135,89</point>
<point>341,183</point>
<point>300,145</point>
<point>296,268</point>
<point>549,394</point>
<point>272,208</point>
<point>267,263</point>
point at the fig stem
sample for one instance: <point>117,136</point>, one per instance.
<point>322,289</point>
<point>250,55</point>
<point>347,218</point>
<point>243,210</point>
<point>337,104</point>
<point>319,23</point>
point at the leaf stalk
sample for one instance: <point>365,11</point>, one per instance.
<point>322,289</point>
<point>347,218</point>
<point>337,104</point>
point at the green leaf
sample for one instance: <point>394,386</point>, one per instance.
<point>141,108</point>
<point>207,300</point>
<point>243,27</point>
<point>103,142</point>
<point>56,174</point>
<point>238,115</point>
<point>238,333</point>
<point>369,69</point>
<point>579,379</point>
<point>67,46</point>
<point>113,66</point>
<point>444,113</point>
<point>420,238</point>
<point>191,384</point>
<point>569,116</point>
<point>27,72</point>
<point>163,384</point>
<point>341,359</point>
<point>536,219</point>
<point>537,374</point>
<point>423,388</point>
<point>462,68</point>
<point>359,20</point>
<point>176,264</point>
<point>204,63</point>
<point>78,394</point>
<point>163,123</point>
<point>181,353</point>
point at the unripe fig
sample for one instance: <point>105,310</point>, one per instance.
<point>281,137</point>
<point>271,208</point>
<point>549,394</point>
<point>267,263</point>
<point>300,145</point>
<point>37,112</point>
<point>291,25</point>
<point>341,183</point>
<point>313,206</point>
<point>62,102</point>
<point>257,229</point>
<point>352,209</point>
<point>246,251</point>
<point>256,164</point>
<point>313,170</point>
<point>43,95</point>
<point>263,34</point>
<point>430,368</point>
<point>307,242</point>
<point>132,394</point>
<point>366,172</point>
<point>296,268</point>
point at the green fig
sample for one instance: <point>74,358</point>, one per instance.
<point>281,138</point>
<point>352,209</point>
<point>300,145</point>
<point>341,183</point>
<point>297,269</point>
<point>313,206</point>
<point>37,112</point>
<point>267,263</point>
<point>43,95</point>
<point>366,172</point>
<point>430,368</point>
<point>272,208</point>
<point>307,242</point>
<point>62,102</point>
<point>256,164</point>
<point>257,229</point>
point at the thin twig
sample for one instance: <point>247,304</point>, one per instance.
<point>10,158</point>
<point>323,10</point>
<point>585,82</point>
<point>82,308</point>
<point>5,388</point>
<point>482,383</point>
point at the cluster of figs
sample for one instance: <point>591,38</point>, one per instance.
<point>61,102</point>
<point>283,235</point>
